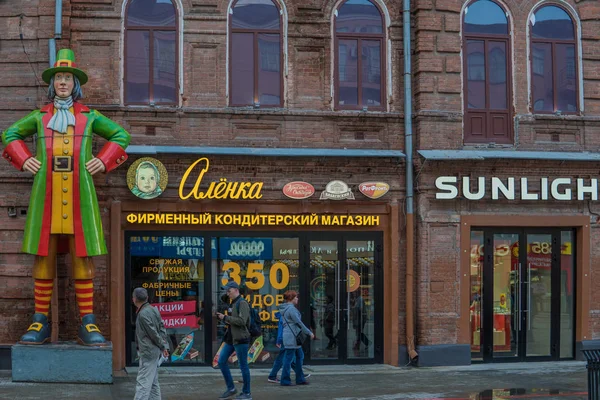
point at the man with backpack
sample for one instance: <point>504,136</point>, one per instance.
<point>237,338</point>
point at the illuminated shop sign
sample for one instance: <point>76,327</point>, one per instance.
<point>177,247</point>
<point>565,189</point>
<point>253,219</point>
<point>245,249</point>
<point>216,190</point>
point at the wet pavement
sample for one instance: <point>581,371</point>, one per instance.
<point>561,381</point>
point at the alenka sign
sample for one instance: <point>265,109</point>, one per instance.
<point>221,190</point>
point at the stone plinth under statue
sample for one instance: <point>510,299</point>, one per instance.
<point>65,362</point>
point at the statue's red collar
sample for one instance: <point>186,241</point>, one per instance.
<point>77,107</point>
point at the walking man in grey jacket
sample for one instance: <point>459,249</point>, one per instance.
<point>150,337</point>
<point>237,338</point>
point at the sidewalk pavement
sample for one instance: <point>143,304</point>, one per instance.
<point>550,380</point>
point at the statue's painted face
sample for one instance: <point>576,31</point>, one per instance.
<point>146,180</point>
<point>63,84</point>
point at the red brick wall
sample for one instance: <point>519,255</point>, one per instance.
<point>439,111</point>
<point>438,80</point>
<point>92,28</point>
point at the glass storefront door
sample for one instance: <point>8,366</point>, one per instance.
<point>522,294</point>
<point>344,290</point>
<point>338,278</point>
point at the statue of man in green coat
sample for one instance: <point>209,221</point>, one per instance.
<point>63,208</point>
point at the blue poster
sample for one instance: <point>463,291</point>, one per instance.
<point>184,247</point>
<point>145,246</point>
<point>245,249</point>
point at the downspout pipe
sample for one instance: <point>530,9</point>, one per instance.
<point>57,32</point>
<point>410,222</point>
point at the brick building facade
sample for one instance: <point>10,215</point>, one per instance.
<point>185,110</point>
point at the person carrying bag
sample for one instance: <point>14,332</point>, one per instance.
<point>294,335</point>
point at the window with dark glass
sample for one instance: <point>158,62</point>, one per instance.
<point>487,85</point>
<point>360,56</point>
<point>554,74</point>
<point>151,52</point>
<point>255,55</point>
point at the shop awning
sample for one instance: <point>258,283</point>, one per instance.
<point>448,155</point>
<point>263,151</point>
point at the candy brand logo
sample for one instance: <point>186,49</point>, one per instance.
<point>337,190</point>
<point>246,249</point>
<point>218,190</point>
<point>298,190</point>
<point>374,190</point>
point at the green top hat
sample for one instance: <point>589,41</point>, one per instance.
<point>65,62</point>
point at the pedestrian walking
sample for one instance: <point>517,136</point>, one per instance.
<point>151,340</point>
<point>278,364</point>
<point>293,332</point>
<point>237,338</point>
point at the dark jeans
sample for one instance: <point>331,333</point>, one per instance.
<point>287,365</point>
<point>279,363</point>
<point>242,354</point>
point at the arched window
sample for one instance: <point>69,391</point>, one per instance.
<point>151,52</point>
<point>360,56</point>
<point>255,54</point>
<point>554,78</point>
<point>487,84</point>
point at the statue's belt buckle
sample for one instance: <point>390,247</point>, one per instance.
<point>63,164</point>
<point>92,328</point>
<point>36,326</point>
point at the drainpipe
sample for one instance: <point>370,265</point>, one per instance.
<point>57,32</point>
<point>410,222</point>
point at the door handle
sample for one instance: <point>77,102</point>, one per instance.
<point>337,297</point>
<point>519,297</point>
<point>528,296</point>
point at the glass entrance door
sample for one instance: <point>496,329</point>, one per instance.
<point>345,285</point>
<point>521,294</point>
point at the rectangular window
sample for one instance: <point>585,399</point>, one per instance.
<point>165,67</point>
<point>266,268</point>
<point>269,74</point>
<point>138,66</point>
<point>497,87</point>
<point>242,68</point>
<point>371,73</point>
<point>476,74</point>
<point>538,61</point>
<point>348,86</point>
<point>171,268</point>
<point>543,85</point>
<point>567,85</point>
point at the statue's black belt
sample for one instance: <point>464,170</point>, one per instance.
<point>63,164</point>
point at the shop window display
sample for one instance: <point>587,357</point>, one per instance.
<point>265,268</point>
<point>475,301</point>
<point>171,268</point>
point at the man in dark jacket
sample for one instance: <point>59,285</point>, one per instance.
<point>150,337</point>
<point>237,338</point>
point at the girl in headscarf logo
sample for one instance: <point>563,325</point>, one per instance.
<point>147,178</point>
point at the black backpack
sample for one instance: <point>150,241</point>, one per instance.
<point>254,324</point>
